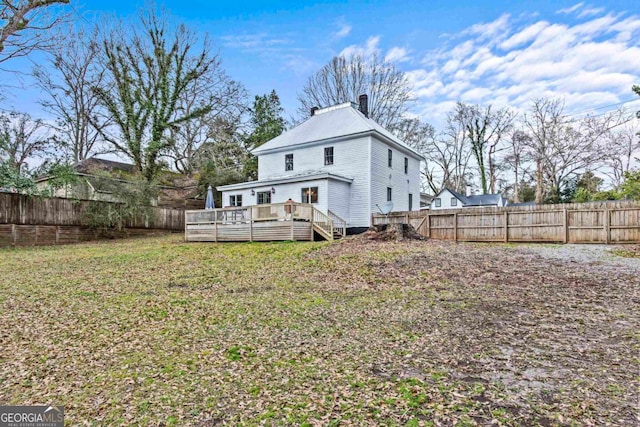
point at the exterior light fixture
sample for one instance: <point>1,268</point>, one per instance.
<point>273,190</point>
<point>253,192</point>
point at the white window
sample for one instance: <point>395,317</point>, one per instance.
<point>454,201</point>
<point>288,162</point>
<point>264,197</point>
<point>438,202</point>
<point>328,156</point>
<point>310,195</point>
<point>389,194</point>
<point>235,200</point>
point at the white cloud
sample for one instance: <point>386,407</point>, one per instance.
<point>369,49</point>
<point>524,36</point>
<point>510,62</point>
<point>343,31</point>
<point>253,41</point>
<point>489,30</point>
<point>397,54</point>
<point>571,9</point>
<point>591,11</point>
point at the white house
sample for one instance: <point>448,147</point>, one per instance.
<point>449,199</point>
<point>339,160</point>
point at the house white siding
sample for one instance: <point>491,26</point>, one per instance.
<point>445,201</point>
<point>283,193</point>
<point>350,159</point>
<point>340,199</point>
<point>394,177</point>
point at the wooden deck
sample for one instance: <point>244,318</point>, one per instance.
<point>260,223</point>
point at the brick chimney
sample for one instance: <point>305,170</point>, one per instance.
<point>363,100</point>
<point>313,111</point>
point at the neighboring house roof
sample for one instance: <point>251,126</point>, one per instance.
<point>91,164</point>
<point>476,199</point>
<point>333,123</point>
<point>307,176</point>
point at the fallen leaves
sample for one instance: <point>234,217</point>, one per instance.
<point>158,332</point>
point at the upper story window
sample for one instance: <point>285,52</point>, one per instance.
<point>437,202</point>
<point>454,201</point>
<point>389,194</point>
<point>264,197</point>
<point>328,156</point>
<point>390,158</point>
<point>235,200</point>
<point>410,201</point>
<point>406,165</point>
<point>288,162</point>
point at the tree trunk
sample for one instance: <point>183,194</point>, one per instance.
<point>539,181</point>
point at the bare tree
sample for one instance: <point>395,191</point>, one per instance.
<point>544,123</point>
<point>149,68</point>
<point>517,159</point>
<point>485,131</point>
<point>21,139</point>
<point>562,147</point>
<point>447,155</point>
<point>624,145</point>
<point>227,99</point>
<point>68,84</point>
<point>24,25</point>
<point>344,79</point>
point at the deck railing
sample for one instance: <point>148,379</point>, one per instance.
<point>322,221</point>
<point>339,224</point>
<point>273,216</point>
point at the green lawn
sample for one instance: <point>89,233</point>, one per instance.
<point>154,331</point>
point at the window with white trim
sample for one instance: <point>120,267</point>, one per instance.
<point>264,197</point>
<point>235,200</point>
<point>328,156</point>
<point>309,195</point>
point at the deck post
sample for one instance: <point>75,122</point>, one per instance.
<point>311,221</point>
<point>293,236</point>
<point>250,224</point>
<point>215,226</point>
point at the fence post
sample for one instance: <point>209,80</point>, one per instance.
<point>607,225</point>
<point>455,227</point>
<point>565,222</point>
<point>185,226</point>
<point>13,234</point>
<point>250,224</point>
<point>428,226</point>
<point>506,226</point>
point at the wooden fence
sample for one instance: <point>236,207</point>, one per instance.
<point>598,222</point>
<point>29,220</point>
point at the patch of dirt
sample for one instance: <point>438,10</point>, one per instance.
<point>390,232</point>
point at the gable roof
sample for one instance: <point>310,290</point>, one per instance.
<point>330,123</point>
<point>476,199</point>
<point>91,164</point>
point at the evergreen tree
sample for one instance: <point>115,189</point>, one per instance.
<point>267,123</point>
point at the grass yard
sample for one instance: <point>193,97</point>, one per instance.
<point>158,332</point>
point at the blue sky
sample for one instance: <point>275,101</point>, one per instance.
<point>499,52</point>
